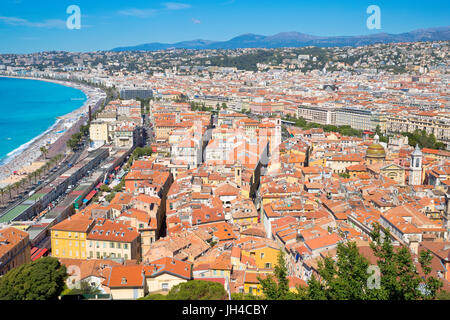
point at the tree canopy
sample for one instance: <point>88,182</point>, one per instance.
<point>197,290</point>
<point>193,290</point>
<point>42,279</point>
<point>423,139</point>
<point>343,130</point>
<point>350,276</point>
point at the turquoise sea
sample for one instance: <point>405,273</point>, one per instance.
<point>28,108</point>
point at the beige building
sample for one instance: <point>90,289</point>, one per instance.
<point>99,131</point>
<point>394,171</point>
<point>113,239</point>
<point>15,249</point>
<point>136,281</point>
<point>322,115</point>
<point>163,274</point>
<point>126,283</point>
<point>432,124</point>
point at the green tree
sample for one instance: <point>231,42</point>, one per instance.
<point>432,284</point>
<point>139,152</point>
<point>198,290</point>
<point>343,279</point>
<point>110,196</point>
<point>42,279</point>
<point>400,279</point>
<point>84,129</point>
<point>242,296</point>
<point>424,140</point>
<point>85,288</point>
<point>156,296</point>
<point>72,144</point>
<point>120,186</point>
<point>105,188</point>
<point>347,277</point>
<point>277,288</point>
<point>44,151</point>
<point>443,295</point>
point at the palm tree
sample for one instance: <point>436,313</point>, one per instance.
<point>15,187</point>
<point>9,188</point>
<point>28,179</point>
<point>46,166</point>
<point>39,172</point>
<point>23,182</point>
<point>19,184</point>
<point>44,151</point>
<point>51,162</point>
<point>34,175</point>
<point>2,191</point>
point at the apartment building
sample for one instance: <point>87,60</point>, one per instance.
<point>68,238</point>
<point>436,125</point>
<point>15,249</point>
<point>360,119</point>
<point>99,132</point>
<point>321,115</point>
<point>113,239</point>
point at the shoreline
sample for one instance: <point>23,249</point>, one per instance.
<point>27,155</point>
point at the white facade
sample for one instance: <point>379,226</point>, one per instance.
<point>415,175</point>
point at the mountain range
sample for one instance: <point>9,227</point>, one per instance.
<point>297,39</point>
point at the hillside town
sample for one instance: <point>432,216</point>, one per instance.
<point>199,170</point>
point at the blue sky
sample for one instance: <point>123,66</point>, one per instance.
<point>32,26</point>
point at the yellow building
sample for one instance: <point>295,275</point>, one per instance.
<point>318,162</point>
<point>394,171</point>
<point>68,238</point>
<point>265,254</point>
<point>251,282</point>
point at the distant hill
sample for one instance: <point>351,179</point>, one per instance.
<point>297,39</point>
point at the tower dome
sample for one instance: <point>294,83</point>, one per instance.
<point>376,150</point>
<point>375,154</point>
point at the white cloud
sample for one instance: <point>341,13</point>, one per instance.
<point>138,12</point>
<point>48,23</point>
<point>176,5</point>
<point>142,13</point>
<point>196,21</point>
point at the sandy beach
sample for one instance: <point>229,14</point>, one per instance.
<point>29,157</point>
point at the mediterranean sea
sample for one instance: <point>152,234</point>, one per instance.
<point>28,108</point>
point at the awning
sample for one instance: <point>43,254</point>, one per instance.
<point>99,185</point>
<point>33,250</point>
<point>90,195</point>
<point>39,253</point>
<point>117,168</point>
